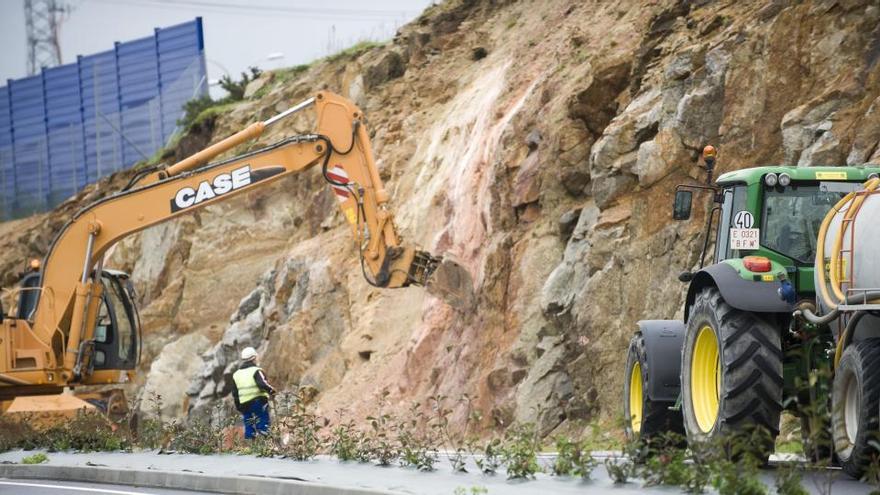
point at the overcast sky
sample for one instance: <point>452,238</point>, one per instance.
<point>238,33</point>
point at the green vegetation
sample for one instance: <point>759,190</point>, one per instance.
<point>520,451</point>
<point>236,88</point>
<point>474,490</point>
<point>414,438</point>
<point>37,458</point>
<point>199,110</point>
<point>353,51</point>
<point>573,458</point>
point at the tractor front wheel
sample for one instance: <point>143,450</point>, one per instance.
<point>731,376</point>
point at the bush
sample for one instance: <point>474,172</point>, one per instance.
<point>491,458</point>
<point>572,459</point>
<point>344,441</point>
<point>88,431</point>
<point>301,427</point>
<point>520,452</point>
<point>236,88</point>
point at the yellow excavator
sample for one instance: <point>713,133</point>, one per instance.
<point>76,322</point>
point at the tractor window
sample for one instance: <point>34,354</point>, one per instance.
<point>734,201</point>
<point>792,216</point>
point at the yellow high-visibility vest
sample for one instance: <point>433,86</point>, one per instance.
<point>246,384</point>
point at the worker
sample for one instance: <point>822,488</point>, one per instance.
<point>251,392</point>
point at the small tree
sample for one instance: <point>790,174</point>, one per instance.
<point>236,88</point>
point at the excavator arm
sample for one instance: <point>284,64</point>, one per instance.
<point>62,324</point>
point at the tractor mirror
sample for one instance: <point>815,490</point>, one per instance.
<point>681,210</point>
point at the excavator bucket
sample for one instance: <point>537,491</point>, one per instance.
<point>452,283</point>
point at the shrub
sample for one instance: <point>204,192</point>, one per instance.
<point>344,441</point>
<point>520,452</point>
<point>572,459</point>
<point>490,456</point>
<point>236,88</point>
<point>301,426</point>
<point>88,431</point>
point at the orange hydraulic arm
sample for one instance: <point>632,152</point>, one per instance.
<point>65,314</point>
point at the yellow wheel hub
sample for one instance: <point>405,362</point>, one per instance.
<point>705,379</point>
<point>635,398</point>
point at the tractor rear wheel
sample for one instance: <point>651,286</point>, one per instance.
<point>645,419</point>
<point>731,376</point>
<point>855,400</point>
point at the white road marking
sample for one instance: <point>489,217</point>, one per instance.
<point>72,488</point>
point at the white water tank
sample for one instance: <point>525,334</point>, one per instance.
<point>863,263</point>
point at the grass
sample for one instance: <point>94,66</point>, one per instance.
<point>353,51</point>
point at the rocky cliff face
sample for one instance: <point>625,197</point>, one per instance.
<point>538,143</point>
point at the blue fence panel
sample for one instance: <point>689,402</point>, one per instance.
<point>7,165</point>
<point>76,123</point>
<point>139,87</point>
<point>181,70</point>
<point>64,124</point>
<point>100,103</point>
<point>29,143</point>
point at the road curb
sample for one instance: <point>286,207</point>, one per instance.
<point>234,485</point>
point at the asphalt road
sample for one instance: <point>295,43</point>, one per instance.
<point>330,472</point>
<point>46,487</point>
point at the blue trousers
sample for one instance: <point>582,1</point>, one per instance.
<point>256,418</point>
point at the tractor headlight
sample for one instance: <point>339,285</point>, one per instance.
<point>874,175</point>
<point>784,180</point>
<point>771,179</point>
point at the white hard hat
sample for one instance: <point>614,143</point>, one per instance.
<point>248,353</point>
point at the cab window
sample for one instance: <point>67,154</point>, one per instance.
<point>116,332</point>
<point>792,216</point>
<point>734,200</point>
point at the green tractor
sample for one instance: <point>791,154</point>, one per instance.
<point>740,358</point>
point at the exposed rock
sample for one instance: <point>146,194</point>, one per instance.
<point>479,53</point>
<point>867,138</point>
<point>533,139</point>
<point>257,84</point>
<point>575,181</point>
<point>390,66</point>
<point>567,223</point>
<point>624,94</point>
<point>596,105</point>
<point>803,126</point>
<point>700,110</point>
<point>825,150</point>
<point>166,384</point>
<point>527,185</point>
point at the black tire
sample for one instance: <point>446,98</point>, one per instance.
<point>658,420</point>
<point>859,368</point>
<point>750,393</point>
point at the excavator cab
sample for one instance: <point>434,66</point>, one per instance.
<point>117,328</point>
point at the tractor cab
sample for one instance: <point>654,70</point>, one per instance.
<point>773,213</point>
